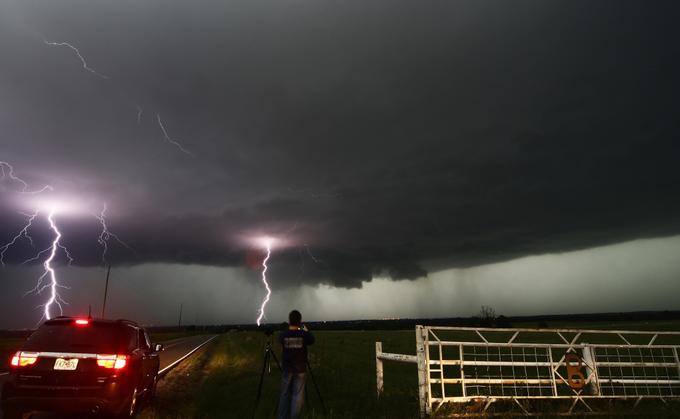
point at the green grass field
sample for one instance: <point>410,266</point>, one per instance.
<point>343,364</point>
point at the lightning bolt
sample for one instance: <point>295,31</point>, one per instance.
<point>22,233</point>
<point>48,279</point>
<point>78,54</point>
<point>266,284</point>
<point>169,139</point>
<point>7,171</point>
<point>140,111</point>
<point>42,252</point>
<point>49,271</point>
<point>107,235</point>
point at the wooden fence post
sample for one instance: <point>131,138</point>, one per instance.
<point>379,377</point>
<point>422,371</point>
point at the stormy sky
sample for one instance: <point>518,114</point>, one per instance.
<point>398,149</point>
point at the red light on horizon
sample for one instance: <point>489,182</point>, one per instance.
<point>82,322</point>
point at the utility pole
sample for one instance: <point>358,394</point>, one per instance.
<point>180,315</point>
<point>106,290</point>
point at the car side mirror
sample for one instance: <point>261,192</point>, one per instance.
<point>158,347</point>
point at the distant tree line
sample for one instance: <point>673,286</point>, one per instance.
<point>485,318</point>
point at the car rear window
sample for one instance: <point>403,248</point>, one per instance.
<point>92,338</point>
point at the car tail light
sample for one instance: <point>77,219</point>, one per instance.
<point>24,359</point>
<point>115,362</point>
<point>82,322</point>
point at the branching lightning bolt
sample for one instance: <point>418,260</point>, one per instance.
<point>22,233</point>
<point>7,171</point>
<point>48,279</point>
<point>107,235</point>
<point>49,271</point>
<point>169,139</point>
<point>266,284</point>
<point>42,252</point>
<point>80,56</point>
<point>140,111</point>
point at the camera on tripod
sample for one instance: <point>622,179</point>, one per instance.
<point>270,329</point>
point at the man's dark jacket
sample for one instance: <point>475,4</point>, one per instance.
<point>294,344</point>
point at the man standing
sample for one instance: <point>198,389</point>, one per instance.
<point>294,342</point>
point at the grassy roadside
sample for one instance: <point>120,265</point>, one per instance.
<point>222,380</point>
<point>157,337</point>
<point>176,392</point>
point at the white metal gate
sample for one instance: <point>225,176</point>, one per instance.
<point>463,365</point>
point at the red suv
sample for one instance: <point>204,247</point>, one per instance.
<point>82,365</point>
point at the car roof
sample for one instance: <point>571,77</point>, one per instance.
<point>68,319</point>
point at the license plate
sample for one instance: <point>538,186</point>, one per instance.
<point>66,364</point>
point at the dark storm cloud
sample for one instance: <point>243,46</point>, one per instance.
<point>389,137</point>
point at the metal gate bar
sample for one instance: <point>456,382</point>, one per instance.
<point>579,365</point>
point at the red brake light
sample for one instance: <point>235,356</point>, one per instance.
<point>115,362</point>
<point>23,359</point>
<point>82,322</point>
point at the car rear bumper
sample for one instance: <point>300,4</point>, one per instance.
<point>110,398</point>
<point>60,404</point>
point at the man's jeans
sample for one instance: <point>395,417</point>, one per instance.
<point>292,395</point>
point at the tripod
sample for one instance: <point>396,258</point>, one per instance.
<point>318,393</point>
<point>266,366</point>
